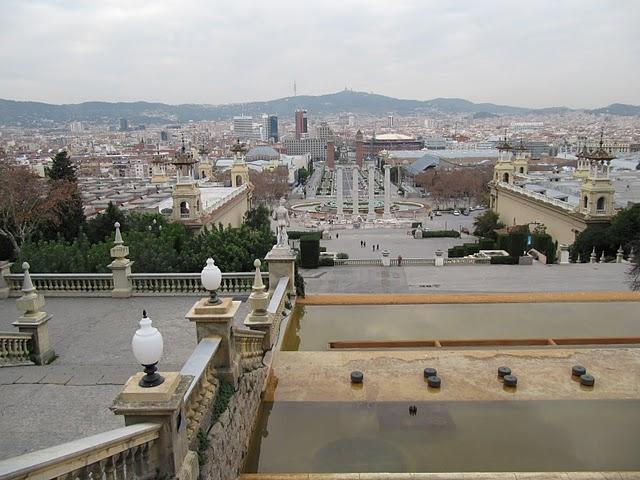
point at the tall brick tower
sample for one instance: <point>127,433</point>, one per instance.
<point>331,155</point>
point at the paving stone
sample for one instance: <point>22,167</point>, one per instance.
<point>9,375</point>
<point>32,375</point>
<point>56,378</point>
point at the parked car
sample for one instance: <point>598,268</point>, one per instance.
<point>437,213</point>
<point>456,212</point>
<point>465,212</point>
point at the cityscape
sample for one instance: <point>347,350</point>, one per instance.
<point>293,277</point>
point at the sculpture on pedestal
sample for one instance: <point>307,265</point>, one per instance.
<point>281,216</point>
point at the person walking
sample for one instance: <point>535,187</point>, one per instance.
<point>399,260</point>
<point>336,235</point>
<point>373,248</point>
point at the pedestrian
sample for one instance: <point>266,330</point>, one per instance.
<point>399,260</point>
<point>360,243</point>
<point>365,243</point>
<point>378,247</point>
<point>336,235</point>
<point>373,248</point>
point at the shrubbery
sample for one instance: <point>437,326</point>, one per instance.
<point>440,234</point>
<point>504,260</point>
<point>326,262</point>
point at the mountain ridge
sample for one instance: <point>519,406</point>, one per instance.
<point>28,113</point>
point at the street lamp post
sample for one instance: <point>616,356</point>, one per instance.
<point>147,347</point>
<point>211,278</point>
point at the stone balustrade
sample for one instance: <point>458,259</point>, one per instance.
<point>538,196</point>
<point>199,397</point>
<point>249,345</point>
<point>143,284</point>
<point>15,349</point>
<point>64,284</point>
<point>124,453</point>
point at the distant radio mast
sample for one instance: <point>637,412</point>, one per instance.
<point>295,90</point>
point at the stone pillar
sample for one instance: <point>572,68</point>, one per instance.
<point>602,257</point>
<point>281,264</point>
<point>564,254</point>
<point>339,195</point>
<point>386,261</point>
<point>33,321</point>
<point>619,255</point>
<point>120,267</point>
<point>593,257</point>
<point>354,193</point>
<point>163,405</point>
<point>217,320</point>
<point>387,192</point>
<point>371,214</point>
<point>257,318</point>
<point>439,259</point>
<point>5,269</point>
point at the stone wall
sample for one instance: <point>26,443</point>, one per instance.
<point>230,436</point>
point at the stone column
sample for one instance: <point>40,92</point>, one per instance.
<point>371,214</point>
<point>5,269</point>
<point>386,261</point>
<point>339,195</point>
<point>439,259</point>
<point>619,255</point>
<point>387,192</point>
<point>564,254</point>
<point>120,267</point>
<point>33,321</point>
<point>593,257</point>
<point>354,193</point>
<point>163,405</point>
<point>217,320</point>
<point>257,318</point>
<point>281,264</point>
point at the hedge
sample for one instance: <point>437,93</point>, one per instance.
<point>486,244</point>
<point>504,260</point>
<point>440,234</point>
<point>545,244</point>
<point>309,253</point>
<point>342,255</point>
<point>514,243</point>
<point>296,234</point>
<point>326,262</point>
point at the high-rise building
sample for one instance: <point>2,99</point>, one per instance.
<point>164,136</point>
<point>324,132</point>
<point>243,127</point>
<point>124,124</point>
<point>390,121</point>
<point>76,127</point>
<point>270,128</point>
<point>301,124</point>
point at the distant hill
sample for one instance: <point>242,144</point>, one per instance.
<point>42,114</point>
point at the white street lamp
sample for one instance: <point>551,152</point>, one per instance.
<point>211,278</point>
<point>147,347</point>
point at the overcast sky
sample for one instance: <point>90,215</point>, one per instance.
<point>536,53</point>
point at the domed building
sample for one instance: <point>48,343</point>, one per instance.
<point>262,152</point>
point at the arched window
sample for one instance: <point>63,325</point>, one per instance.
<point>184,209</point>
<point>238,180</point>
<point>521,169</point>
<point>586,201</point>
<point>505,178</point>
<point>600,204</point>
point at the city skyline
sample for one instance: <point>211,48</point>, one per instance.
<point>574,54</point>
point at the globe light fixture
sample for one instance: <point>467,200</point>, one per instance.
<point>211,278</point>
<point>147,347</point>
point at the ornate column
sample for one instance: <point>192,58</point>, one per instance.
<point>217,320</point>
<point>339,194</point>
<point>371,214</point>
<point>120,267</point>
<point>354,193</point>
<point>387,192</point>
<point>33,320</point>
<point>619,255</point>
<point>164,405</point>
<point>257,318</point>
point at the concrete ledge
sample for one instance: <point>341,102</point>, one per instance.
<point>422,298</point>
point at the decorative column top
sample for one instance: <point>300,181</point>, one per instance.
<point>30,302</point>
<point>258,286</point>
<point>119,251</point>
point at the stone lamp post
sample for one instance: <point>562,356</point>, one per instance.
<point>120,267</point>
<point>147,347</point>
<point>211,278</point>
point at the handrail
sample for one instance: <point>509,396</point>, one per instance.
<point>129,448</point>
<point>278,296</point>
<point>199,396</point>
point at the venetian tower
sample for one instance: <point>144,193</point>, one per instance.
<point>504,169</point>
<point>187,204</point>
<point>239,169</point>
<point>521,159</point>
<point>597,191</point>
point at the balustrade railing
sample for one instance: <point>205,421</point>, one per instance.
<point>538,196</point>
<point>143,284</point>
<point>198,399</point>
<point>357,262</point>
<point>64,284</point>
<point>15,349</point>
<point>249,347</point>
<point>125,453</point>
<point>467,261</point>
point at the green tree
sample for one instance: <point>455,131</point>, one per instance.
<point>101,226</point>
<point>71,211</point>
<point>258,218</point>
<point>303,175</point>
<point>486,224</point>
<point>634,271</point>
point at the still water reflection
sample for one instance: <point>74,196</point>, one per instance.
<point>313,327</point>
<point>449,436</point>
